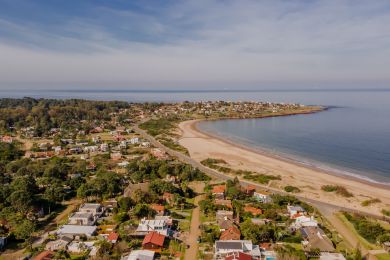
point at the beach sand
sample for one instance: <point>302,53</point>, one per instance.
<point>308,179</point>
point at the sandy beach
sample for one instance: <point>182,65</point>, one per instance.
<point>308,179</point>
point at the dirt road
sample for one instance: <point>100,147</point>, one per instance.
<point>195,232</point>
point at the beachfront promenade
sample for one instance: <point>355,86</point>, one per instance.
<point>325,208</point>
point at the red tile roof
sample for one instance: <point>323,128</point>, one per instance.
<point>157,207</point>
<point>219,189</point>
<point>154,238</point>
<point>45,255</point>
<point>238,256</point>
<point>113,236</point>
<point>254,211</point>
<point>231,233</point>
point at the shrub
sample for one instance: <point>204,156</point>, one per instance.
<point>369,202</point>
<point>340,190</point>
<point>292,189</point>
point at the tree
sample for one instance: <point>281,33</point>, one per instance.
<point>24,230</point>
<point>54,194</point>
<point>125,203</point>
<point>21,200</point>
<point>143,210</point>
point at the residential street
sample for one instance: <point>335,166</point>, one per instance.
<point>195,232</point>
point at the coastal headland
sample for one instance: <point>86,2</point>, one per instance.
<point>309,180</point>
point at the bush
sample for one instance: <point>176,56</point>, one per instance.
<point>340,190</point>
<point>369,202</point>
<point>292,189</point>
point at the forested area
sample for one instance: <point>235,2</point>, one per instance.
<point>45,114</point>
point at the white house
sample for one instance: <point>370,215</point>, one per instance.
<point>134,140</point>
<point>59,244</point>
<point>295,211</point>
<point>148,225</point>
<point>80,247</point>
<point>82,218</point>
<point>304,221</point>
<point>95,208</point>
<point>77,230</point>
<point>141,255</point>
<point>262,196</point>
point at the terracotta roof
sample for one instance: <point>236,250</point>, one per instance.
<point>45,255</point>
<point>250,188</point>
<point>157,207</point>
<point>113,236</point>
<point>227,203</point>
<point>254,211</point>
<point>238,256</point>
<point>232,233</point>
<point>219,189</point>
<point>154,238</point>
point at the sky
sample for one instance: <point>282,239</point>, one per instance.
<point>199,44</point>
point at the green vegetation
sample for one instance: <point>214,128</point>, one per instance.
<point>385,212</point>
<point>371,231</point>
<point>153,169</point>
<point>370,202</point>
<point>159,126</point>
<point>45,114</point>
<point>173,145</point>
<point>340,190</point>
<point>292,189</point>
<point>248,175</point>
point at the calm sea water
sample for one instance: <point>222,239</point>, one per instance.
<point>353,136</point>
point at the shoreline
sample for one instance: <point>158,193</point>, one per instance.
<point>285,158</point>
<point>309,179</point>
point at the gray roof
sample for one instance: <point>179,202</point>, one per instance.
<point>229,244</point>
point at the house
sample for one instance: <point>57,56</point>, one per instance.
<point>160,209</point>
<point>249,190</point>
<point>123,164</point>
<point>159,154</point>
<point>77,230</point>
<point>224,248</point>
<point>260,221</point>
<point>82,218</point>
<point>110,204</point>
<point>45,255</point>
<point>304,221</point>
<point>331,256</point>
<point>131,188</point>
<point>91,149</point>
<point>262,196</point>
<point>153,241</point>
<point>149,225</point>
<point>116,156</point>
<point>141,255</point>
<point>97,130</point>
<point>224,219</point>
<point>232,233</point>
<point>134,140</point>
<point>252,210</point>
<point>295,211</point>
<point>81,246</point>
<point>238,256</point>
<point>7,139</point>
<point>104,147</point>
<point>315,238</point>
<point>219,192</point>
<point>113,237</point>
<point>224,203</point>
<point>59,244</point>
<point>96,209</point>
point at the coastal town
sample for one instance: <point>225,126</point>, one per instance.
<point>111,180</point>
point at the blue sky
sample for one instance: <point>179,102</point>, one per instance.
<point>194,44</point>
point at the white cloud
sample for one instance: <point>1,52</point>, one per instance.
<point>232,43</point>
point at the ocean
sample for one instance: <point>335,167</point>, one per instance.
<point>352,137</point>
